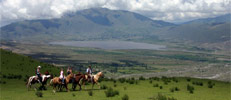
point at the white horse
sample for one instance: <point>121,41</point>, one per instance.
<point>34,79</point>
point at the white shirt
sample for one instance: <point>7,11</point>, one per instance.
<point>89,70</point>
<point>61,74</point>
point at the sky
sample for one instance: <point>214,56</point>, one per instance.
<point>167,10</point>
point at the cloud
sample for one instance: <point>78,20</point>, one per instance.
<point>168,10</point>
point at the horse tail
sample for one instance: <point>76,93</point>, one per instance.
<point>28,83</point>
<point>51,82</point>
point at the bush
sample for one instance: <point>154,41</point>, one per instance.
<point>111,93</point>
<point>125,97</point>
<point>161,87</point>
<point>115,85</point>
<point>177,89</point>
<point>141,78</point>
<point>39,94</point>
<point>114,81</point>
<point>190,88</point>
<point>4,82</point>
<point>188,79</point>
<point>156,85</point>
<point>210,84</point>
<point>122,80</point>
<point>125,88</point>
<point>172,89</point>
<point>162,97</point>
<point>198,83</point>
<point>150,81</point>
<point>103,87</point>
<point>73,94</point>
<point>90,93</point>
<point>175,80</point>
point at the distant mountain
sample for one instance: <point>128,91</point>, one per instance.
<point>105,24</point>
<point>207,30</point>
<point>89,24</point>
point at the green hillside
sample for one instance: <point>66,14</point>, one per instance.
<point>16,66</point>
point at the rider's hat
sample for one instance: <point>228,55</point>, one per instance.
<point>39,66</point>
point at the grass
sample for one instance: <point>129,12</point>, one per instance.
<point>16,90</point>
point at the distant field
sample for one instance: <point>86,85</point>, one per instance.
<point>127,63</point>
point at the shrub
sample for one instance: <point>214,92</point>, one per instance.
<point>114,81</point>
<point>90,93</point>
<point>4,82</point>
<point>122,80</point>
<point>39,94</point>
<point>141,78</point>
<point>125,97</point>
<point>103,87</point>
<point>172,89</point>
<point>150,81</point>
<point>210,84</point>
<point>197,83</point>
<point>125,88</point>
<point>161,87</point>
<point>156,85</point>
<point>188,79</point>
<point>111,93</point>
<point>73,94</point>
<point>115,85</point>
<point>177,89</point>
<point>175,80</point>
<point>163,97</point>
<point>190,88</point>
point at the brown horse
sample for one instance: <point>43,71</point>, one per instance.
<point>94,79</point>
<point>58,82</point>
<point>77,79</point>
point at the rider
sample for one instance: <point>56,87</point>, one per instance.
<point>69,70</point>
<point>39,74</point>
<point>62,75</point>
<point>89,73</point>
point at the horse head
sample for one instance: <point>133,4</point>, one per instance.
<point>100,74</point>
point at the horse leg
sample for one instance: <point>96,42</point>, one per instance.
<point>93,85</point>
<point>73,86</point>
<point>54,88</point>
<point>98,84</point>
<point>84,85</point>
<point>67,88</point>
<point>79,86</point>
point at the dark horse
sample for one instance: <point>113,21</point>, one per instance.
<point>78,78</point>
<point>34,79</point>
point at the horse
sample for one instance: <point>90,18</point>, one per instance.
<point>34,79</point>
<point>77,79</point>
<point>58,82</point>
<point>94,79</point>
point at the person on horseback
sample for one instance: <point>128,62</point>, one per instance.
<point>69,70</point>
<point>62,75</point>
<point>39,74</point>
<point>89,73</point>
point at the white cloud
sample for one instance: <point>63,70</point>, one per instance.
<point>168,10</point>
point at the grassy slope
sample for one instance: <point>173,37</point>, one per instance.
<point>15,89</point>
<point>16,64</point>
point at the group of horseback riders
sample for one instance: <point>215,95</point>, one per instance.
<point>62,76</point>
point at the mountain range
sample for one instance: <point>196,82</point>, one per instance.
<point>105,24</point>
